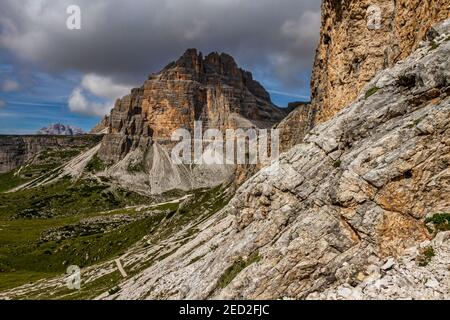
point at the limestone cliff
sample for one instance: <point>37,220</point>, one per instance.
<point>357,40</point>
<point>354,46</point>
<point>354,193</point>
<point>212,89</point>
<point>16,150</point>
<point>101,127</point>
<point>331,219</point>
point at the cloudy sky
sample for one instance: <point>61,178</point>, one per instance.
<point>50,74</point>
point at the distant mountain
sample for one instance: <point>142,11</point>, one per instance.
<point>59,129</point>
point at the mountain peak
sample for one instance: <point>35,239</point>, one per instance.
<point>212,89</point>
<point>59,129</point>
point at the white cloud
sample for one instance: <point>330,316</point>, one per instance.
<point>10,85</point>
<point>96,86</point>
<point>2,103</point>
<point>303,30</point>
<point>78,103</point>
<point>127,42</point>
<point>104,87</point>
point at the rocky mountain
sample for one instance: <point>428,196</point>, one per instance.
<point>58,129</point>
<point>212,89</point>
<point>351,212</point>
<point>357,40</point>
<point>358,207</point>
<point>352,195</point>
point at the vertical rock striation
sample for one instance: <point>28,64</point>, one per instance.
<point>212,89</point>
<point>354,47</point>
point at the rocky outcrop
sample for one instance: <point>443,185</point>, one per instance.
<point>294,127</point>
<point>422,273</point>
<point>101,127</point>
<point>212,89</point>
<point>356,190</point>
<point>355,44</point>
<point>59,129</point>
<point>357,40</point>
<point>16,150</point>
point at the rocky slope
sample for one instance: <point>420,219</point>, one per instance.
<point>16,150</point>
<point>353,49</point>
<point>211,89</point>
<point>351,198</point>
<point>359,186</point>
<point>408,277</point>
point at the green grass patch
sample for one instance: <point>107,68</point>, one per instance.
<point>9,181</point>
<point>25,257</point>
<point>24,252</point>
<point>65,198</point>
<point>88,291</point>
<point>95,165</point>
<point>434,45</point>
<point>371,92</point>
<point>438,222</point>
<point>236,268</point>
<point>18,278</point>
<point>426,256</point>
<point>136,167</point>
<point>337,164</point>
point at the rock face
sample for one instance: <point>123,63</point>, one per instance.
<point>59,129</point>
<point>402,278</point>
<point>16,150</point>
<point>294,127</point>
<point>355,45</point>
<point>355,191</point>
<point>211,89</point>
<point>340,216</point>
<point>101,127</point>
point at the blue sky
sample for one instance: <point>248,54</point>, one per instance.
<point>43,100</point>
<point>51,74</point>
<point>39,100</point>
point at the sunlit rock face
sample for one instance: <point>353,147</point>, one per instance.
<point>211,89</point>
<point>357,40</point>
<point>360,38</point>
<point>353,194</point>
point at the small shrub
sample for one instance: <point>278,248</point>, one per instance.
<point>434,45</point>
<point>438,222</point>
<point>371,92</point>
<point>337,163</point>
<point>236,268</point>
<point>113,290</point>
<point>136,167</point>
<point>425,257</point>
<point>95,164</point>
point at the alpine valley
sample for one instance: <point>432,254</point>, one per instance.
<point>357,207</point>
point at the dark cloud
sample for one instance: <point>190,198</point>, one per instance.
<point>126,40</point>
